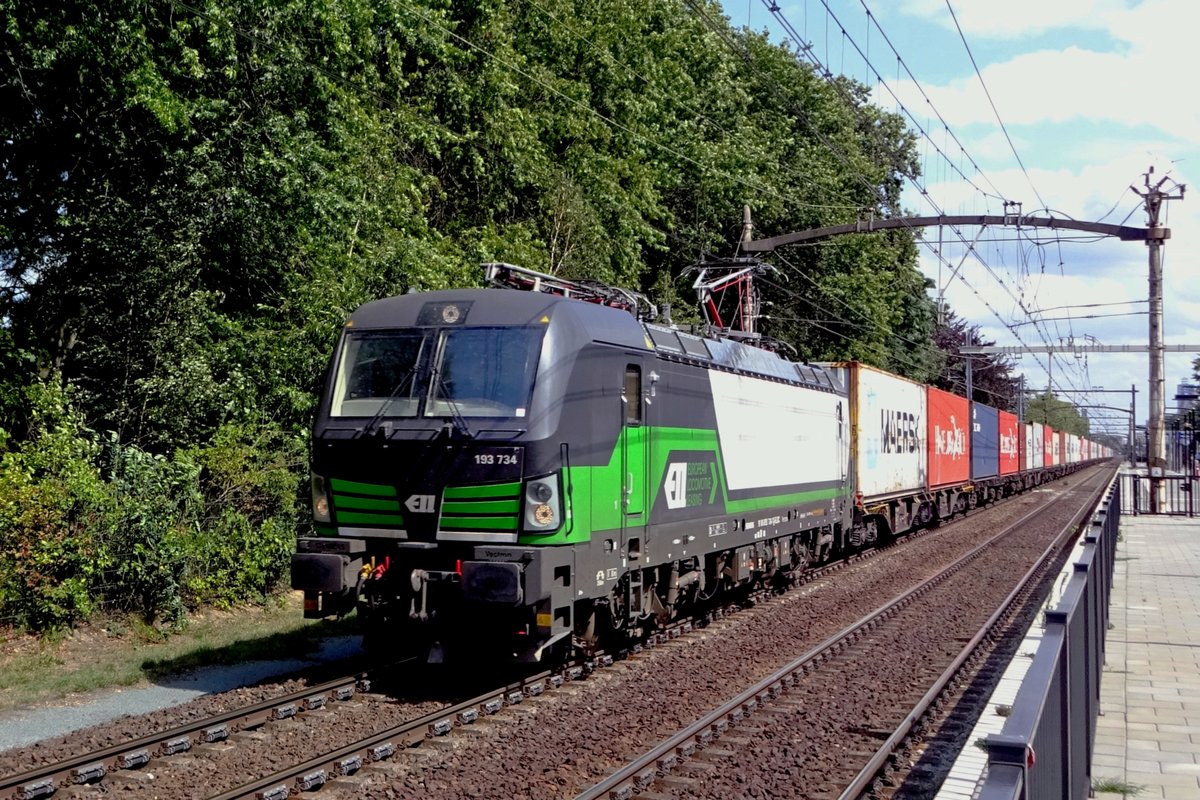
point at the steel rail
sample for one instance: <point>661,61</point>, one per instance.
<point>89,768</point>
<point>636,775</point>
<point>347,760</point>
<point>867,775</point>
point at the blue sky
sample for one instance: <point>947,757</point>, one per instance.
<point>1092,93</point>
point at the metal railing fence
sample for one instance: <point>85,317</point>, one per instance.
<point>1044,751</point>
<point>1175,494</point>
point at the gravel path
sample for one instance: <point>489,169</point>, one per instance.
<point>21,727</point>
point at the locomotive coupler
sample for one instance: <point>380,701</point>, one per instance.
<point>420,580</point>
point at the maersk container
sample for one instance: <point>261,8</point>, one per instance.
<point>949,445</point>
<point>985,441</point>
<point>1010,442</point>
<point>887,430</point>
<point>1040,440</point>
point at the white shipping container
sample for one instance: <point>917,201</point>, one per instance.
<point>1072,448</point>
<point>1027,460</point>
<point>1039,445</point>
<point>889,431</point>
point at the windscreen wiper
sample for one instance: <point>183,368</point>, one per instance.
<point>404,381</point>
<point>460,423</point>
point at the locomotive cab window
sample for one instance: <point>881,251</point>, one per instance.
<point>377,374</point>
<point>633,395</point>
<point>484,372</point>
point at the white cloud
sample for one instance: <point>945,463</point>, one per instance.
<point>1015,18</point>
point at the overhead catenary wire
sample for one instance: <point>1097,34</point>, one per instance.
<point>822,69</point>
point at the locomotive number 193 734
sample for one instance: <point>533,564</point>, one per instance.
<point>495,458</point>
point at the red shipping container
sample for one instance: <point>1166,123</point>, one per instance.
<point>1012,439</point>
<point>1050,437</point>
<point>949,457</point>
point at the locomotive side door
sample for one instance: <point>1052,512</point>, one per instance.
<point>634,456</point>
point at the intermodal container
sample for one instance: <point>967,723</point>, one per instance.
<point>985,441</point>
<point>1053,443</point>
<point>1060,442</point>
<point>949,456</point>
<point>1072,448</point>
<point>887,430</point>
<point>1011,438</point>
<point>1040,440</point>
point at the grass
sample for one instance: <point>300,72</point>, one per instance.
<point>1117,786</point>
<point>127,652</point>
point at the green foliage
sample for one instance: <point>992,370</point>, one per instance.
<point>85,524</point>
<point>196,197</point>
<point>53,507</point>
<point>1058,414</point>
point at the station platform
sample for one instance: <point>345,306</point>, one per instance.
<point>1148,732</point>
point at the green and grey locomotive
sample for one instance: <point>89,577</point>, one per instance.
<point>531,471</point>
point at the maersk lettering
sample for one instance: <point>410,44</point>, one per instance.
<point>898,431</point>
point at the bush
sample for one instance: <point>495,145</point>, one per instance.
<point>250,477</point>
<point>84,525</point>
<point>54,509</point>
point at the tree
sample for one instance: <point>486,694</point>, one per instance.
<point>1058,414</point>
<point>991,375</point>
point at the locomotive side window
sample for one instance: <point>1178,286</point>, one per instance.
<point>484,372</point>
<point>633,395</point>
<point>376,374</point>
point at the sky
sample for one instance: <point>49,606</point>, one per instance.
<point>1089,94</point>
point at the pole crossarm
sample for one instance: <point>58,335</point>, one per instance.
<point>1125,233</point>
<point>1083,348</point>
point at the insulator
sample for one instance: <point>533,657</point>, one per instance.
<point>315,702</point>
<point>441,727</point>
<point>135,759</point>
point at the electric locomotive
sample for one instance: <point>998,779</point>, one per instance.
<point>527,472</point>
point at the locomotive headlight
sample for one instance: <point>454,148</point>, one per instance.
<point>541,504</point>
<point>320,500</point>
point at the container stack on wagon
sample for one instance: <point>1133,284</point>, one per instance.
<point>921,454</point>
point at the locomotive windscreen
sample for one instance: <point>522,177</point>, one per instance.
<point>438,372</point>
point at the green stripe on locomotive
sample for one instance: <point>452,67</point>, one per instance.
<point>594,493</point>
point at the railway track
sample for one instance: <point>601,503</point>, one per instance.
<point>92,766</point>
<point>776,711</point>
<point>339,764</point>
